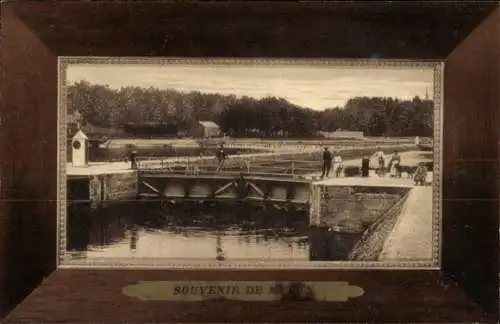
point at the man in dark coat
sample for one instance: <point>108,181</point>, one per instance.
<point>133,159</point>
<point>365,166</point>
<point>327,163</point>
<point>221,157</point>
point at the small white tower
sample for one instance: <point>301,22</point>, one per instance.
<point>79,147</point>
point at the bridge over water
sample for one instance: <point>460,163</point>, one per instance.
<point>286,180</point>
<point>283,176</point>
<point>249,187</point>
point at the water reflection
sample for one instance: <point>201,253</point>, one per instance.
<point>209,231</point>
<point>331,245</point>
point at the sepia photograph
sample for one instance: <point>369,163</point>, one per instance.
<point>249,163</point>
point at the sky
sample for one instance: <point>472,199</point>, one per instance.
<point>311,86</point>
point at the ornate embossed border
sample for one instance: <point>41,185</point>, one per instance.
<point>465,35</point>
<point>65,261</point>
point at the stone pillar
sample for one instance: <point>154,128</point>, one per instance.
<point>315,204</point>
<point>79,147</point>
<point>95,188</point>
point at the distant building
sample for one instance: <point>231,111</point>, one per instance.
<point>342,134</point>
<point>206,129</point>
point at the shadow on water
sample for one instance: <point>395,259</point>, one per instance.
<point>330,245</point>
<point>193,230</point>
<point>266,230</point>
<point>97,226</point>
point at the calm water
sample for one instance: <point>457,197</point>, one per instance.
<point>146,229</point>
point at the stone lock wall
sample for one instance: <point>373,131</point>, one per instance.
<point>350,211</point>
<point>116,186</point>
<point>370,245</point>
<point>352,223</point>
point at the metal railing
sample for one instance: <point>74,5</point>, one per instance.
<point>261,166</point>
<point>269,163</point>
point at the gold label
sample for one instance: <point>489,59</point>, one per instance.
<point>242,290</point>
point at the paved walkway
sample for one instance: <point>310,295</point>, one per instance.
<point>99,168</point>
<point>372,181</point>
<point>412,237</point>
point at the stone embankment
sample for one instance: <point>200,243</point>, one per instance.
<point>371,243</point>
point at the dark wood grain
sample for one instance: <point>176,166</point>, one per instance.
<point>28,160</point>
<point>35,33</point>
<point>471,162</point>
<point>253,29</point>
<point>83,296</point>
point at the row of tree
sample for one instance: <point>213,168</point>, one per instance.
<point>128,107</point>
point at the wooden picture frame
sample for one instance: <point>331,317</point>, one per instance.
<point>116,187</point>
<point>35,34</point>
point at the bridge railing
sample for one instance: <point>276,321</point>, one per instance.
<point>291,163</point>
<point>274,167</point>
<point>298,151</point>
<point>265,166</point>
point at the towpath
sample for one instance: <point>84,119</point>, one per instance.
<point>412,236</point>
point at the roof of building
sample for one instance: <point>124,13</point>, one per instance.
<point>340,130</point>
<point>80,136</point>
<point>208,124</point>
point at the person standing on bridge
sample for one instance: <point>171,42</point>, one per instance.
<point>380,156</point>
<point>365,166</point>
<point>327,163</point>
<point>133,160</point>
<point>221,157</point>
<point>337,164</point>
<point>394,165</point>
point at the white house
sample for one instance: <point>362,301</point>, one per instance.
<point>206,129</point>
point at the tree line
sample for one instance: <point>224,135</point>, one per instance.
<point>149,111</point>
